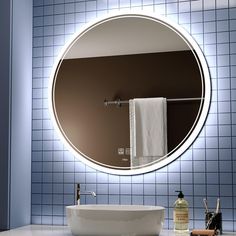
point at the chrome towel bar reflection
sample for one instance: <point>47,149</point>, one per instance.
<point>119,102</point>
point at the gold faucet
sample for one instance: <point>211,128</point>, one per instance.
<point>78,193</point>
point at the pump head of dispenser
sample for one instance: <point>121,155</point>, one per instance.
<point>180,195</point>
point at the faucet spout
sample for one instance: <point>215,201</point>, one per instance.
<point>92,193</point>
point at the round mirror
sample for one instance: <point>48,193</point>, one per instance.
<point>130,93</point>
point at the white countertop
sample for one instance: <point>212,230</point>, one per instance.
<point>49,230</point>
<point>38,230</point>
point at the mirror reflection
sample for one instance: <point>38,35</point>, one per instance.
<point>128,92</point>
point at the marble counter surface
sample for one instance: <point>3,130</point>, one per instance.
<point>48,230</point>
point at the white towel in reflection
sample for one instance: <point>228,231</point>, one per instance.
<point>148,130</point>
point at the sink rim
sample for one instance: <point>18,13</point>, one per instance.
<point>114,207</point>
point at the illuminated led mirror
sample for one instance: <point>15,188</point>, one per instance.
<point>114,63</point>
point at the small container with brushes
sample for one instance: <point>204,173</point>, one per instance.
<point>213,219</point>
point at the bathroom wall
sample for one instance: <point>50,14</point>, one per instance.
<point>206,169</point>
<point>16,109</point>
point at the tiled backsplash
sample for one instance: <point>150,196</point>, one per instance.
<point>206,169</point>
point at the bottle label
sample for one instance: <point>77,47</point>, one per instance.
<point>180,216</point>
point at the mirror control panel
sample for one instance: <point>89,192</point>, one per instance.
<point>123,151</point>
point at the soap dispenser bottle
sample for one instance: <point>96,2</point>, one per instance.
<point>180,213</point>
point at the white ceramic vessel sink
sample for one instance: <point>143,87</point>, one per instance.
<point>125,220</point>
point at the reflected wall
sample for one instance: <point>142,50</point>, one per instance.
<point>98,131</point>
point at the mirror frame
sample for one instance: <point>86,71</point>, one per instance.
<point>202,114</point>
